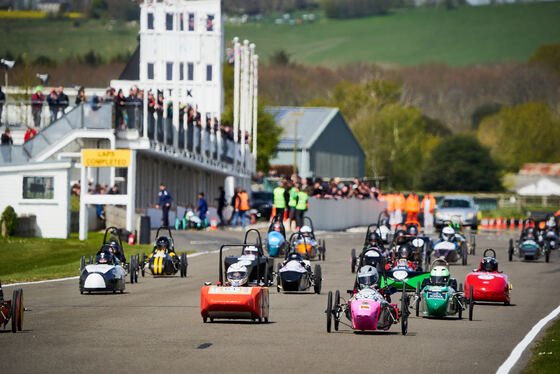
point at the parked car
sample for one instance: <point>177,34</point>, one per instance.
<point>462,207</point>
<point>262,201</point>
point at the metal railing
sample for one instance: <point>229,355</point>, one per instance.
<point>210,143</point>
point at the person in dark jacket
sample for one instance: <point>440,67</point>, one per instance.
<point>52,101</point>
<point>7,137</point>
<point>165,200</point>
<point>37,106</point>
<point>221,205</point>
<point>2,102</point>
<point>63,101</point>
<point>202,208</point>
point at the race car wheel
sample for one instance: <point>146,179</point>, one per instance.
<point>471,302</point>
<point>353,260</point>
<point>82,263</point>
<point>460,310</point>
<point>417,304</point>
<point>143,263</point>
<point>131,269</point>
<point>15,309</point>
<point>329,311</point>
<point>547,255</point>
<point>278,278</point>
<point>510,250</point>
<point>324,250</point>
<point>204,319</point>
<point>90,260</point>
<point>317,279</point>
<point>473,248</point>
<point>183,265</point>
<point>336,304</point>
<point>465,254</point>
<point>404,310</point>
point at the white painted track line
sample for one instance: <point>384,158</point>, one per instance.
<point>519,348</point>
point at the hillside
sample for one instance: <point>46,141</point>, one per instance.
<point>406,37</point>
<point>463,36</point>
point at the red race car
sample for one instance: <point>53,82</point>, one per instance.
<point>488,283</point>
<point>12,310</point>
<point>239,297</point>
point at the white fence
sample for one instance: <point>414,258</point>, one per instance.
<point>330,214</point>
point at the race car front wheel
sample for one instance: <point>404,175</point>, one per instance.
<point>336,304</point>
<point>329,311</point>
<point>404,310</point>
<point>471,302</point>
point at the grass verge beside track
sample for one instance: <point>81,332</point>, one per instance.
<point>546,354</point>
<point>33,259</point>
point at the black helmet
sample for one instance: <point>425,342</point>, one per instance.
<point>104,257</point>
<point>403,252</point>
<point>373,237</point>
<point>163,242</point>
<point>489,264</point>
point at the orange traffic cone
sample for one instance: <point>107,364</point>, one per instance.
<point>213,223</point>
<point>512,224</point>
<point>484,223</point>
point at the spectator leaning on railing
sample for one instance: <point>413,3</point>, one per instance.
<point>37,105</point>
<point>63,102</point>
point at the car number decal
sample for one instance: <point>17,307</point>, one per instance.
<point>226,290</point>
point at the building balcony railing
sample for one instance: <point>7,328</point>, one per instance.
<point>211,145</point>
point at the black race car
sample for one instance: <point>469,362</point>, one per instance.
<point>164,260</point>
<point>259,267</point>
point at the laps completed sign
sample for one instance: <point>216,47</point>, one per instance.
<point>99,158</point>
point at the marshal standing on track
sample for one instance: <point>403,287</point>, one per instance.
<point>165,200</point>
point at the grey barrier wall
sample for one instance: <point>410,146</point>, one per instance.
<point>330,214</point>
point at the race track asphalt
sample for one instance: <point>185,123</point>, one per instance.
<point>156,325</point>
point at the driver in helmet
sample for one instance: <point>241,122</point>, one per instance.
<point>448,234</point>
<point>115,249</point>
<point>237,275</point>
<point>367,277</point>
<point>439,276</point>
<point>403,254</point>
<point>374,240</point>
<point>305,231</point>
<point>488,264</point>
<point>528,233</point>
<point>104,257</point>
<point>250,250</point>
<point>412,230</point>
<point>163,243</point>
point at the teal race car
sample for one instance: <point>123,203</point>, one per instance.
<point>439,296</point>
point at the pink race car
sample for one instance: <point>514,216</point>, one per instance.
<point>368,308</point>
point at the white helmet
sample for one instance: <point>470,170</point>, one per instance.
<point>447,233</point>
<point>367,276</point>
<point>305,229</point>
<point>250,250</point>
<point>237,275</point>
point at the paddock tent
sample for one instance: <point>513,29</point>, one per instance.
<point>325,145</point>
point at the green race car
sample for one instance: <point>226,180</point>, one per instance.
<point>439,296</point>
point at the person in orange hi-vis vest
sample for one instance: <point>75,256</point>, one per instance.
<point>399,208</point>
<point>412,207</point>
<point>428,206</point>
<point>390,199</point>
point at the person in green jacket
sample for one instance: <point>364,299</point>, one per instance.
<point>301,207</point>
<point>280,200</point>
<point>292,201</point>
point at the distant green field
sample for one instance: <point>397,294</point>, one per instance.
<point>408,37</point>
<point>60,39</point>
<point>458,37</point>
